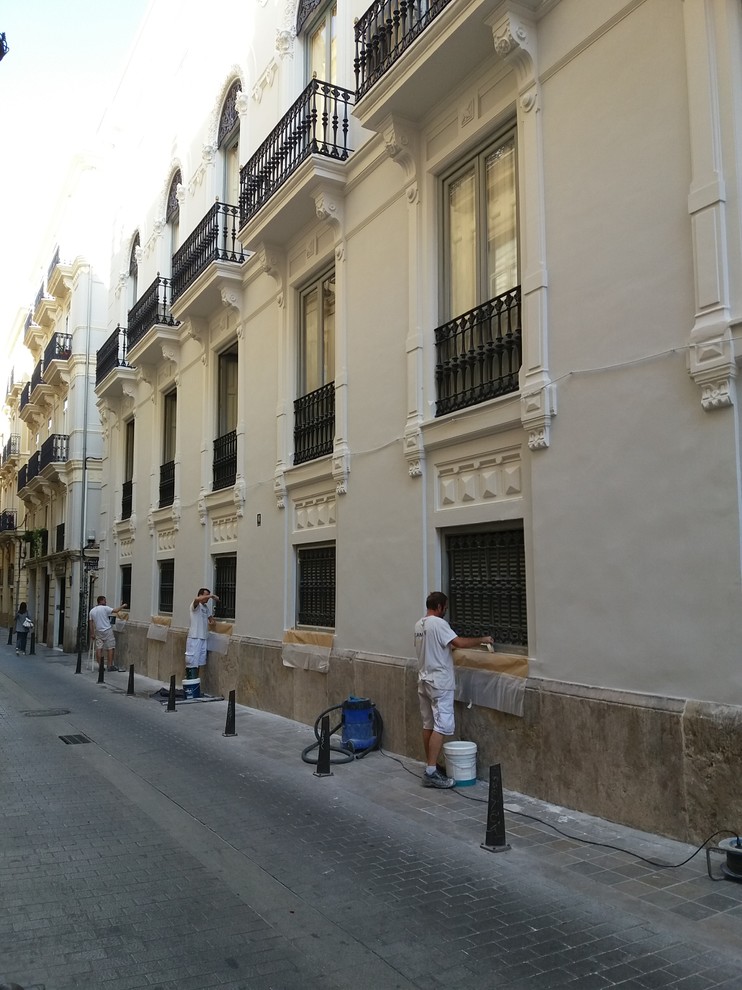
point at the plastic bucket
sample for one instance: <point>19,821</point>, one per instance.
<point>192,688</point>
<point>461,762</point>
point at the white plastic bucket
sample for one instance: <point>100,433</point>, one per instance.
<point>461,762</point>
<point>192,687</point>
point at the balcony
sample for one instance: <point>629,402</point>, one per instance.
<point>308,145</point>
<point>22,478</point>
<point>33,334</point>
<point>314,424</point>
<point>59,277</point>
<point>56,355</point>
<point>45,309</point>
<point>7,521</point>
<point>151,324</point>
<point>111,364</point>
<point>225,461</point>
<point>27,410</point>
<point>411,55</point>
<point>208,261</point>
<point>11,450</point>
<point>167,484</point>
<point>478,354</point>
<point>54,450</point>
<point>33,467</point>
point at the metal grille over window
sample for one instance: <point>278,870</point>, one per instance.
<point>487,585</point>
<point>225,460</point>
<point>225,586</point>
<point>314,424</point>
<point>316,606</point>
<point>167,582</point>
<point>126,583</point>
<point>230,117</point>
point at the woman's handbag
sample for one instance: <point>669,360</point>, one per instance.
<point>27,624</point>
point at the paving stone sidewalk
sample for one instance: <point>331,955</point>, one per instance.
<point>163,854</point>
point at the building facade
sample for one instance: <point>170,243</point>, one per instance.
<point>433,295</point>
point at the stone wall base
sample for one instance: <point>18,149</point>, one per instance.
<point>662,765</point>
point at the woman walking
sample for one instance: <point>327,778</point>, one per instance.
<point>23,624</point>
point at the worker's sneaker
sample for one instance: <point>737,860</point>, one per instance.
<point>437,779</point>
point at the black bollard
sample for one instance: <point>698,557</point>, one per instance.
<point>495,840</point>
<point>101,668</point>
<point>78,665</point>
<point>171,696</point>
<point>32,648</point>
<point>10,635</point>
<point>323,757</point>
<point>229,729</point>
<point>130,685</point>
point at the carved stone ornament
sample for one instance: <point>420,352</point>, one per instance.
<point>537,409</point>
<point>414,451</point>
<point>285,42</point>
<point>717,394</point>
<point>341,469</point>
<point>121,282</point>
<point>232,299</point>
<point>240,494</point>
<point>203,514</point>
<point>279,488</point>
<point>401,144</point>
<point>514,39</point>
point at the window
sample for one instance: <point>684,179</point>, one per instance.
<point>125,584</point>
<point>225,585</point>
<point>315,566</point>
<point>314,410</point>
<point>172,212</point>
<point>167,467</point>
<point>487,585</point>
<point>478,351</point>
<point>480,226</point>
<point>134,271</point>
<point>228,140</point>
<point>167,583</point>
<point>225,445</point>
<point>127,489</point>
<point>321,35</point>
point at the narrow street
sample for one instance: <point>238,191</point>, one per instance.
<point>163,854</point>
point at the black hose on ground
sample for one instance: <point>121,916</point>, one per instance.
<point>346,754</point>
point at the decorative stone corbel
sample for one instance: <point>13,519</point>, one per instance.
<point>329,206</point>
<point>538,407</point>
<point>270,262</point>
<point>285,42</point>
<point>121,282</point>
<point>279,488</point>
<point>414,451</point>
<point>203,514</point>
<point>341,468</point>
<point>713,368</point>
<point>401,144</point>
<point>240,495</point>
<point>232,299</point>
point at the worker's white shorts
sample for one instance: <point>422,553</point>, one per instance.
<point>436,708</point>
<point>195,652</point>
<point>105,640</point>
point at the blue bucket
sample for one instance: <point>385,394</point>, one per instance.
<point>192,688</point>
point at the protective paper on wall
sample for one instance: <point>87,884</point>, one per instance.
<point>217,643</point>
<point>157,631</point>
<point>307,650</point>
<point>502,692</point>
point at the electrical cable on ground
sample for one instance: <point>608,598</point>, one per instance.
<point>577,838</point>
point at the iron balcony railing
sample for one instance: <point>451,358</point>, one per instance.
<point>59,348</point>
<point>317,124</point>
<point>111,355</point>
<point>40,296</point>
<point>225,461</point>
<point>12,447</point>
<point>152,309</point>
<point>29,321</point>
<point>26,395</point>
<point>38,374</point>
<point>7,520</point>
<point>314,424</point>
<point>33,465</point>
<point>478,354</point>
<point>167,484</point>
<point>215,239</point>
<point>54,450</point>
<point>385,32</point>
<point>127,491</point>
<point>22,478</point>
<point>59,542</point>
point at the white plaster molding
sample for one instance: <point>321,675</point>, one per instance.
<point>121,283</point>
<point>414,450</point>
<point>270,260</point>
<point>401,142</point>
<point>240,495</point>
<point>203,514</point>
<point>341,467</point>
<point>314,512</point>
<point>279,487</point>
<point>265,80</point>
<point>232,299</point>
<point>285,38</point>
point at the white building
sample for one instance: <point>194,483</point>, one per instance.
<point>440,295</point>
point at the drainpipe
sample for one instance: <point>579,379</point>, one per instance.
<point>84,492</point>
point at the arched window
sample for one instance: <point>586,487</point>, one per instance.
<point>228,140</point>
<point>172,212</point>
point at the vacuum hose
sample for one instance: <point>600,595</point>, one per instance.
<point>346,753</point>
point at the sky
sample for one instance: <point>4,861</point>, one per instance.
<point>64,58</point>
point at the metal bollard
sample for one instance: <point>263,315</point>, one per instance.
<point>323,757</point>
<point>495,839</point>
<point>10,635</point>
<point>171,695</point>
<point>101,668</point>
<point>229,729</point>
<point>130,685</point>
<point>32,648</point>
